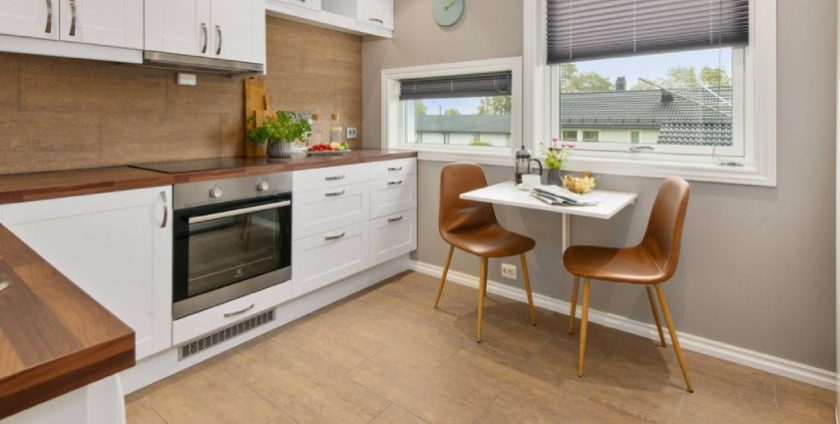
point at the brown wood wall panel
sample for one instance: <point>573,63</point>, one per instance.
<point>58,113</point>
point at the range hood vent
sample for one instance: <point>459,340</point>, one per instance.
<point>187,63</point>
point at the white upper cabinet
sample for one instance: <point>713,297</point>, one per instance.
<point>115,23</point>
<point>376,12</point>
<point>111,23</point>
<point>180,27</point>
<point>222,29</point>
<point>29,18</point>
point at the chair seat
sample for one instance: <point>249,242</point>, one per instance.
<point>491,241</point>
<point>631,265</point>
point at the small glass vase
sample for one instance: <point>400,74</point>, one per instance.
<point>553,177</point>
<point>279,149</point>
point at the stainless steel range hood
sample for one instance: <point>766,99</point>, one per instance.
<point>187,63</point>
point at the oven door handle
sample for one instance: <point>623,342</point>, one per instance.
<point>235,212</point>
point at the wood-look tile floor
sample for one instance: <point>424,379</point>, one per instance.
<point>386,356</point>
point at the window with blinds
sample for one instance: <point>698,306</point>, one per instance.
<point>459,110</point>
<point>652,76</point>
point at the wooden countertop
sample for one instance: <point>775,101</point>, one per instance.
<point>49,185</point>
<point>54,338</point>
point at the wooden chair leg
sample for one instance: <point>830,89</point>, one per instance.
<point>528,289</point>
<point>674,340</point>
<point>482,291</point>
<point>655,314</point>
<point>445,271</point>
<point>584,318</point>
<point>573,306</point>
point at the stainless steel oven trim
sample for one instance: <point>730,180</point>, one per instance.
<point>225,294</point>
<point>235,212</point>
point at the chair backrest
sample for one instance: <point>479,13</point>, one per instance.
<point>456,214</point>
<point>664,231</point>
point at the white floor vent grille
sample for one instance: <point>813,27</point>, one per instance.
<point>226,333</point>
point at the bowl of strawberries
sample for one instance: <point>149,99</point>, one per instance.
<point>326,149</point>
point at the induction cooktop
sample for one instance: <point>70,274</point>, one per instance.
<point>198,165</point>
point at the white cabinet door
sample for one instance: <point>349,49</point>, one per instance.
<point>328,257</point>
<point>376,12</point>
<point>309,4</point>
<point>117,247</point>
<point>180,27</point>
<point>391,195</point>
<point>115,23</point>
<point>238,30</point>
<point>321,210</point>
<point>29,18</point>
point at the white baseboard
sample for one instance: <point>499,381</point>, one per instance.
<point>772,364</point>
<point>163,364</point>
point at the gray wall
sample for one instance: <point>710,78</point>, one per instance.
<point>757,266</point>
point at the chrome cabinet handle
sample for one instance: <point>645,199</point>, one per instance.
<point>334,193</point>
<point>165,210</point>
<point>635,149</point>
<point>377,21</point>
<point>227,214</point>
<point>73,18</point>
<point>395,219</point>
<point>336,237</point>
<point>219,45</point>
<point>395,169</point>
<point>205,35</point>
<point>239,312</point>
<point>334,178</point>
<point>48,28</point>
<point>393,183</point>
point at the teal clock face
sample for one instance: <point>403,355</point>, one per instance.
<point>448,12</point>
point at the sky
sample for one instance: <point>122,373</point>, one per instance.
<point>649,67</point>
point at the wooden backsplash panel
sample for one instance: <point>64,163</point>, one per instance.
<point>60,113</point>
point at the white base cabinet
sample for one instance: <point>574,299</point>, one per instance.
<point>328,257</point>
<point>392,236</point>
<point>117,247</point>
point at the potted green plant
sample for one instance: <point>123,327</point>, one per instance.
<point>555,158</point>
<point>279,132</point>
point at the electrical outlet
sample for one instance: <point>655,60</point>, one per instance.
<point>509,271</point>
<point>351,133</point>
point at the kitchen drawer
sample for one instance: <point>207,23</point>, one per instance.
<point>328,257</point>
<point>393,168</point>
<point>393,235</point>
<point>236,310</point>
<point>394,194</point>
<point>325,209</point>
<point>332,176</point>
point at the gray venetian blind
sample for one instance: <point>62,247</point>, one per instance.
<point>476,85</point>
<point>592,29</point>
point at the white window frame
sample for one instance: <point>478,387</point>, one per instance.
<point>393,111</point>
<point>758,124</point>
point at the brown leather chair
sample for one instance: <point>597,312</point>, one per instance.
<point>651,262</point>
<point>473,228</point>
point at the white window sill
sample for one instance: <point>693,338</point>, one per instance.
<point>703,172</point>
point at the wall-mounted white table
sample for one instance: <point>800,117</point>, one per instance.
<point>506,193</point>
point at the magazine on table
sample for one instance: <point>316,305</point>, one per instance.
<point>560,196</point>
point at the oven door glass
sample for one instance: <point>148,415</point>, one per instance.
<point>219,246</point>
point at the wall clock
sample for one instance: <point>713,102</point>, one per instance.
<point>448,12</point>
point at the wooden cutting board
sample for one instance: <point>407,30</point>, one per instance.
<point>257,107</point>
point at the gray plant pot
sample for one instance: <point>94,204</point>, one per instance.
<point>554,177</point>
<point>279,149</point>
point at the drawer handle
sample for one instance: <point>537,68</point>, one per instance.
<point>334,178</point>
<point>334,194</point>
<point>48,28</point>
<point>72,18</point>
<point>335,237</point>
<point>395,219</point>
<point>4,285</point>
<point>239,312</point>
<point>393,183</point>
<point>377,21</point>
<point>395,169</point>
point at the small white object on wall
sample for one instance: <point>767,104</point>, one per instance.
<point>186,79</point>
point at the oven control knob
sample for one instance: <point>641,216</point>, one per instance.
<point>215,193</point>
<point>262,186</point>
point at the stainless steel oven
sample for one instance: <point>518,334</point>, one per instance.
<point>232,237</point>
